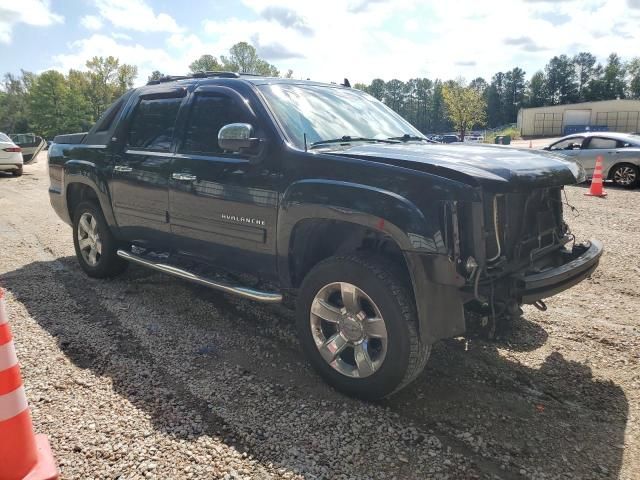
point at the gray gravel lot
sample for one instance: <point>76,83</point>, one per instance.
<point>146,376</point>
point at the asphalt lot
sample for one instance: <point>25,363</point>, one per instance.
<point>146,376</point>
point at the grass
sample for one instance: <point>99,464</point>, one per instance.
<point>512,131</point>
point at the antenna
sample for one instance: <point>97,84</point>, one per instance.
<point>347,83</point>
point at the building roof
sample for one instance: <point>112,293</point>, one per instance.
<point>566,106</point>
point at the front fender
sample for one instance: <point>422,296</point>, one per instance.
<point>364,205</point>
<point>438,305</point>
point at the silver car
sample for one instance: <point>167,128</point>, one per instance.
<point>620,154</point>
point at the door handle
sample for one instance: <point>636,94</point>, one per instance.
<point>184,177</point>
<point>122,169</point>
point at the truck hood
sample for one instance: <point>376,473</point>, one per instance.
<point>494,167</point>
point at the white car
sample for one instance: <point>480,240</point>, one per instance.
<point>10,156</point>
<point>473,138</point>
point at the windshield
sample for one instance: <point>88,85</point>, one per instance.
<point>328,113</point>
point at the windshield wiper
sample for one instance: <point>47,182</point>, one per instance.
<point>348,139</point>
<point>407,138</point>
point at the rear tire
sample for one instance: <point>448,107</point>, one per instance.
<point>94,243</point>
<point>18,172</point>
<point>625,175</point>
<point>375,334</point>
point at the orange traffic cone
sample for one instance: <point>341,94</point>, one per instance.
<point>597,189</point>
<point>23,455</point>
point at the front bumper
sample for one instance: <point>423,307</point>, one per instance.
<point>536,286</point>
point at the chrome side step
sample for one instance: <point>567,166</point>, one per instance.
<point>250,293</point>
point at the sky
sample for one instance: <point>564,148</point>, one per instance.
<point>325,40</point>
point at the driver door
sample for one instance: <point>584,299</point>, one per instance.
<point>223,206</point>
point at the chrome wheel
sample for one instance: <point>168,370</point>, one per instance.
<point>348,330</point>
<point>625,175</point>
<point>89,239</point>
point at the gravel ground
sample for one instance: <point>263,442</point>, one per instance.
<point>146,376</point>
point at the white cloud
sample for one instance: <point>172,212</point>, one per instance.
<point>146,59</point>
<point>136,15</point>
<point>91,22</point>
<point>401,39</point>
<point>30,12</point>
<point>362,40</point>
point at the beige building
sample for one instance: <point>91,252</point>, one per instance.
<point>558,120</point>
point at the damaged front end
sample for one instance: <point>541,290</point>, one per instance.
<point>517,249</point>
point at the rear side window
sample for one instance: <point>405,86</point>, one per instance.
<point>153,123</point>
<point>568,144</point>
<point>109,116</point>
<point>208,115</point>
<point>600,143</point>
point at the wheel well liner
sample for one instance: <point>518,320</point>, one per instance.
<point>80,192</point>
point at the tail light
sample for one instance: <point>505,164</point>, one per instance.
<point>12,149</point>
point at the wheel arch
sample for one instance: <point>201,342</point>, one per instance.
<point>342,221</point>
<point>84,182</point>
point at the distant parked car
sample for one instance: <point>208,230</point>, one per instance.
<point>450,138</point>
<point>474,138</point>
<point>10,156</point>
<point>30,143</point>
<point>620,154</point>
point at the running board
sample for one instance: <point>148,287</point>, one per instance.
<point>250,293</point>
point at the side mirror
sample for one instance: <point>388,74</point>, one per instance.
<point>547,148</point>
<point>237,137</point>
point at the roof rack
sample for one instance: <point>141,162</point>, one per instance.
<point>203,74</point>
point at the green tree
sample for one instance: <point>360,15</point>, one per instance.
<point>125,77</point>
<point>394,95</point>
<point>47,102</point>
<point>513,94</point>
<point>584,64</point>
<point>14,103</point>
<point>614,77</point>
<point>206,63</point>
<point>494,98</point>
<point>244,58</point>
<point>377,88</point>
<point>479,84</point>
<point>536,91</point>
<point>156,75</point>
<point>465,106</point>
<point>77,108</point>
<point>562,86</point>
<point>634,77</point>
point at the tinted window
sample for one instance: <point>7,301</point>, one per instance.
<point>110,115</point>
<point>153,123</point>
<point>568,144</point>
<point>597,143</point>
<point>208,115</point>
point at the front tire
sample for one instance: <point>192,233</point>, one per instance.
<point>358,327</point>
<point>94,243</point>
<point>625,175</point>
<point>17,172</point>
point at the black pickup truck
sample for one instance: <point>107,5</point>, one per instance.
<point>264,187</point>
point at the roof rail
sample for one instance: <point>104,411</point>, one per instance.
<point>167,78</point>
<point>214,73</point>
<point>202,74</point>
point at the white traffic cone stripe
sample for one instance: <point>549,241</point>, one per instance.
<point>12,404</point>
<point>3,312</point>
<point>8,357</point>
